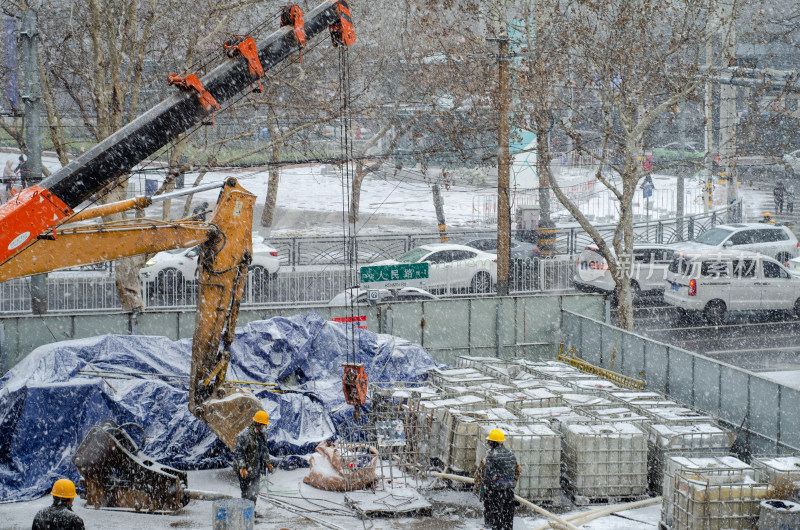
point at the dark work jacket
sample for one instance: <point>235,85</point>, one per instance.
<point>57,517</point>
<point>251,452</point>
<point>500,471</point>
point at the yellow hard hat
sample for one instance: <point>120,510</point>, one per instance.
<point>64,488</point>
<point>767,214</point>
<point>496,436</point>
<point>261,417</point>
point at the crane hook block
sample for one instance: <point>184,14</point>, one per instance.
<point>190,82</point>
<point>293,16</point>
<point>354,384</point>
<point>342,31</point>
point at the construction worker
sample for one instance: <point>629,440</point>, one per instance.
<point>59,515</point>
<point>767,219</point>
<point>495,481</point>
<point>251,456</point>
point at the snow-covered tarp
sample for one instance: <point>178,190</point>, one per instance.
<point>50,400</point>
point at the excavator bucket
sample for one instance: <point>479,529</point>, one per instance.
<point>115,474</point>
<point>229,413</point>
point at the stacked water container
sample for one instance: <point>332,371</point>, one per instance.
<point>676,467</point>
<point>605,461</point>
<point>538,452</point>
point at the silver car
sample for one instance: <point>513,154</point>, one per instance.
<point>648,271</point>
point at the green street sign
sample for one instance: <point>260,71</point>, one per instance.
<point>394,276</point>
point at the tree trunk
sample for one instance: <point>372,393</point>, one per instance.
<point>355,197</point>
<point>270,203</point>
<point>542,161</point>
<point>126,275</point>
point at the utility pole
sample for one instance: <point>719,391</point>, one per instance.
<point>708,117</point>
<point>503,105</point>
<point>727,111</point>
<point>503,168</point>
<point>33,144</point>
<point>679,207</point>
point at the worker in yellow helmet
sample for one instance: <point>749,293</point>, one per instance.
<point>251,456</point>
<point>495,481</point>
<point>59,515</point>
<point>767,218</point>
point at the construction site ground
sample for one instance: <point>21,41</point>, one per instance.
<point>452,509</point>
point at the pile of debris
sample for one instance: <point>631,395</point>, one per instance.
<point>578,433</point>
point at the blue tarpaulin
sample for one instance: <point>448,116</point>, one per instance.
<point>50,400</point>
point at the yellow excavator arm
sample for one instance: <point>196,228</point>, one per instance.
<point>226,250</point>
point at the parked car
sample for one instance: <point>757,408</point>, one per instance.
<point>775,241</point>
<point>521,253</point>
<point>455,268</point>
<point>169,272</point>
<point>520,250</point>
<point>672,151</point>
<point>358,296</point>
<point>717,282</point>
<point>649,271</point>
<point>793,160</point>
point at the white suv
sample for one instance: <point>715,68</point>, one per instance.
<point>720,281</point>
<point>777,242</point>
<point>649,269</point>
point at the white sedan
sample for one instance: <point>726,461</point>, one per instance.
<point>454,268</point>
<point>357,296</point>
<point>168,272</point>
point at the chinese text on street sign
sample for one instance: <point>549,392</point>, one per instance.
<point>394,276</point>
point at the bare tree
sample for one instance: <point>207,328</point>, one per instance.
<point>628,63</point>
<point>93,59</point>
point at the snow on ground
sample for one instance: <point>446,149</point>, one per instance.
<point>310,199</point>
<point>452,509</point>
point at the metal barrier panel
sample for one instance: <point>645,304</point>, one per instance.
<point>483,325</point>
<point>537,321</point>
<point>162,324</point>
<point>611,340</point>
<point>590,305</point>
<point>788,416</point>
<point>406,322</point>
<point>734,394</point>
<point>656,365</point>
<point>681,375</point>
<point>764,406</point>
<point>632,361</point>
<point>707,384</point>
<point>108,323</point>
<point>591,342</point>
<point>446,325</point>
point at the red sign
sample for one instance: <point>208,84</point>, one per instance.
<point>354,320</point>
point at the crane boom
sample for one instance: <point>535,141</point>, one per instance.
<point>37,213</point>
<point>44,206</point>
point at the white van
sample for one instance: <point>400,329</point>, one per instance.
<point>716,282</point>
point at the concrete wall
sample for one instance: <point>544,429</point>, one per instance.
<point>529,325</point>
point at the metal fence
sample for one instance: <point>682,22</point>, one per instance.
<point>316,250</point>
<point>511,326</point>
<point>767,411</point>
<point>309,284</point>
